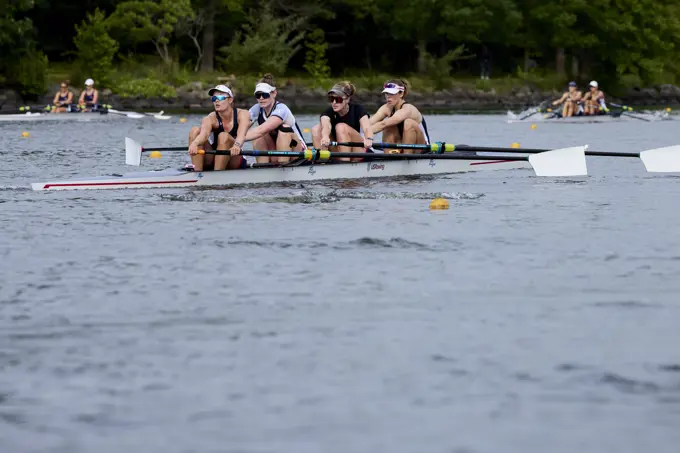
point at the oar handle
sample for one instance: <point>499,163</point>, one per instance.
<point>310,154</point>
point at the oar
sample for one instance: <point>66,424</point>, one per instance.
<point>657,160</point>
<point>159,115</point>
<point>134,115</point>
<point>626,111</point>
<point>22,109</point>
<point>539,109</point>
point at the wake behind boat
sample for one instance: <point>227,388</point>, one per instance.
<point>311,167</point>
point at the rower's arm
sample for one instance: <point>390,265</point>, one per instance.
<point>69,98</point>
<point>365,123</point>
<point>243,126</point>
<point>561,100</point>
<point>81,99</point>
<point>272,123</point>
<point>56,98</point>
<point>379,115</point>
<point>95,98</point>
<point>325,128</point>
<point>399,117</point>
<point>206,129</point>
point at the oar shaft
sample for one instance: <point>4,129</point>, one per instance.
<point>381,145</point>
<point>166,148</point>
<point>491,149</point>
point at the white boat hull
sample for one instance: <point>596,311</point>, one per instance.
<point>571,119</point>
<point>39,116</point>
<point>316,172</point>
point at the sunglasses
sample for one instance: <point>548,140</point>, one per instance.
<point>64,86</point>
<point>336,99</point>
<point>260,95</point>
<point>393,85</point>
<point>219,97</point>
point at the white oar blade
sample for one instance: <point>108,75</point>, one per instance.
<point>133,152</point>
<point>662,160</point>
<point>560,162</point>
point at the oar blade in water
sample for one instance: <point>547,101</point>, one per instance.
<point>560,162</point>
<point>662,160</point>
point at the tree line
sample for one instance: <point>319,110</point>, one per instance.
<point>612,40</point>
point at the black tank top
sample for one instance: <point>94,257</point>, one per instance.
<point>233,130</point>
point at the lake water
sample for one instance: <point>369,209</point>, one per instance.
<point>535,315</point>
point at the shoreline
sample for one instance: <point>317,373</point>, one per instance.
<point>192,98</point>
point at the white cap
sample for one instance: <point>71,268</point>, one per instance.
<point>392,88</point>
<point>593,84</point>
<point>89,82</point>
<point>264,88</point>
<point>223,89</point>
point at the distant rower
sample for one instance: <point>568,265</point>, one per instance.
<point>89,98</point>
<point>572,101</point>
<point>594,100</point>
<point>343,121</point>
<point>276,127</point>
<point>224,129</point>
<point>399,121</point>
<point>63,99</point>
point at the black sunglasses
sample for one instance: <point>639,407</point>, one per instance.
<point>260,95</point>
<point>335,99</point>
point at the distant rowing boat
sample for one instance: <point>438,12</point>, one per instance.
<point>43,116</point>
<point>587,119</point>
<point>571,119</point>
<point>80,116</point>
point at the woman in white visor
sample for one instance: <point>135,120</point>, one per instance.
<point>399,121</point>
<point>276,127</point>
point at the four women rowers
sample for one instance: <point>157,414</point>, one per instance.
<point>228,128</point>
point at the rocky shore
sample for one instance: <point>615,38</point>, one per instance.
<point>192,98</point>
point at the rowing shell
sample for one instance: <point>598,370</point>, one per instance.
<point>40,116</point>
<point>315,172</point>
<point>571,120</point>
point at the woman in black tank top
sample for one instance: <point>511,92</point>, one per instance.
<point>399,121</point>
<point>224,130</point>
<point>343,121</point>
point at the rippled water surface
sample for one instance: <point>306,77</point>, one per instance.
<point>535,315</point>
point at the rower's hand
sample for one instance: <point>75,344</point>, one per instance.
<point>235,150</point>
<point>325,143</point>
<point>193,149</point>
<point>368,143</point>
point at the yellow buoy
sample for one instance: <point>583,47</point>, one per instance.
<point>306,130</point>
<point>533,127</point>
<point>514,145</point>
<point>25,134</point>
<point>439,203</point>
<point>155,154</point>
<point>668,109</point>
<point>182,120</point>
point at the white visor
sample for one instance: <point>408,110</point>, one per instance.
<point>89,82</point>
<point>223,89</point>
<point>264,88</point>
<point>594,84</point>
<point>393,89</point>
